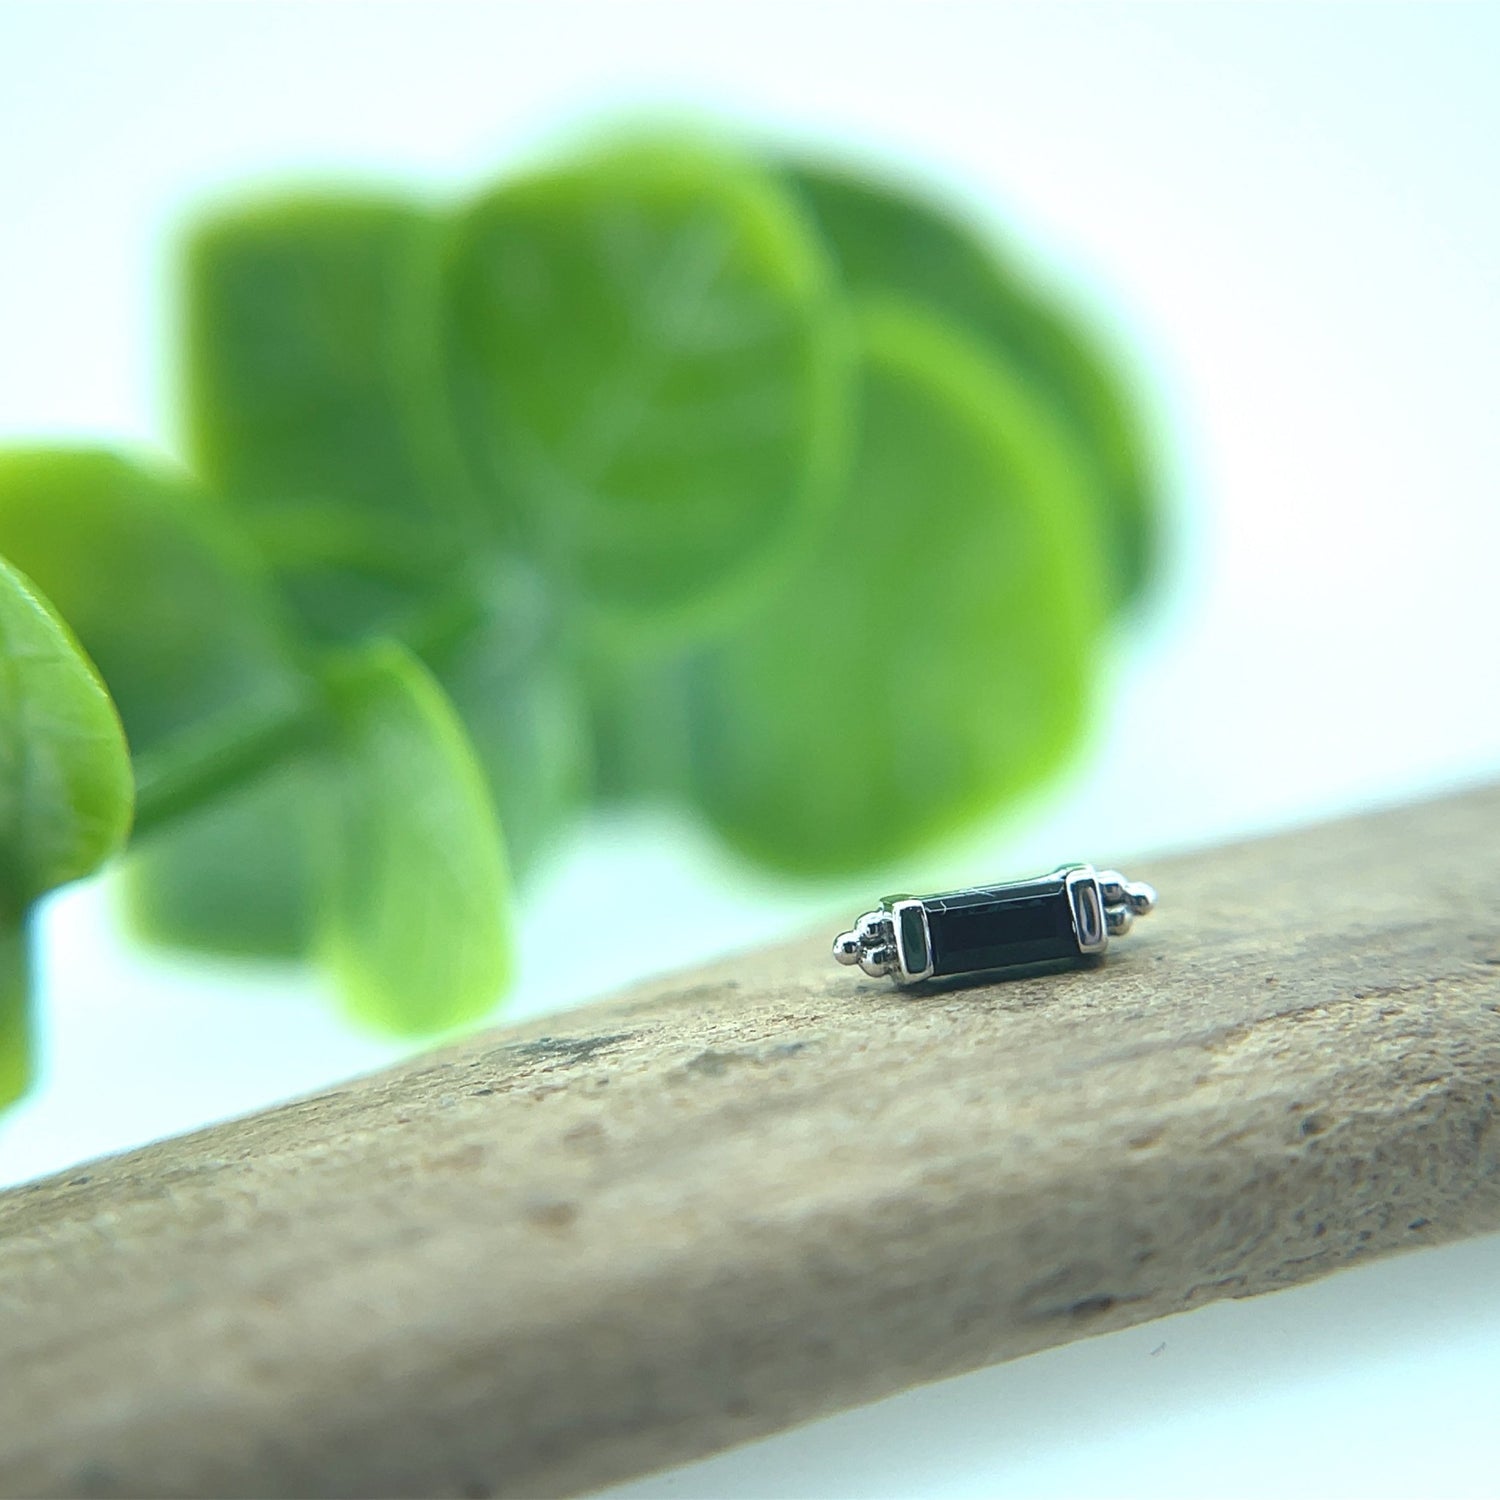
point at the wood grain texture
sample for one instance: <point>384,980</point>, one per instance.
<point>563,1254</point>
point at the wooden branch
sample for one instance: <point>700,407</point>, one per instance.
<point>571,1252</point>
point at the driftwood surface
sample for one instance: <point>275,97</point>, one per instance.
<point>562,1254</point>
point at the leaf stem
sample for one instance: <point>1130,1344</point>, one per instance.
<point>208,760</point>
<point>228,752</point>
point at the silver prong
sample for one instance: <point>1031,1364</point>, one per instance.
<point>847,947</point>
<point>1117,891</point>
<point>878,961</point>
<point>1118,919</point>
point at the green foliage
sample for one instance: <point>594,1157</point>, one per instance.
<point>415,880</point>
<point>525,712</point>
<point>890,242</point>
<point>664,471</point>
<point>175,608</point>
<point>231,876</point>
<point>65,787</point>
<point>15,1013</point>
<point>897,687</point>
<point>644,361</point>
<point>312,401</point>
<point>163,594</point>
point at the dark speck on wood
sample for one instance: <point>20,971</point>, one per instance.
<point>568,1051</point>
<point>712,1061</point>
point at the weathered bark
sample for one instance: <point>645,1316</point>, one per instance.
<point>562,1254</point>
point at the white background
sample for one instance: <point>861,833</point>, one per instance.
<point>1288,216</point>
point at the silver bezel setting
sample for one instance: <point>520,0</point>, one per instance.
<point>898,907</point>
<point>1086,903</point>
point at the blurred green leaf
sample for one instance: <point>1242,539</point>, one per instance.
<point>65,785</point>
<point>524,712</point>
<point>886,241</point>
<point>645,364</point>
<point>526,723</point>
<point>313,399</point>
<point>65,789</point>
<point>231,877</point>
<point>15,1009</point>
<point>162,595</point>
<point>172,606</point>
<point>414,921</point>
<point>641,722</point>
<point>931,659</point>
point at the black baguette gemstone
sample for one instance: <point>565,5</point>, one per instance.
<point>1001,926</point>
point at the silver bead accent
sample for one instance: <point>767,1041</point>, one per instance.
<point>870,943</point>
<point>1136,896</point>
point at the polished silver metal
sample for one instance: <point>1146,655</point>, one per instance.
<point>875,940</point>
<point>903,910</point>
<point>1102,903</point>
<point>1090,911</point>
<point>1118,891</point>
<point>870,943</point>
